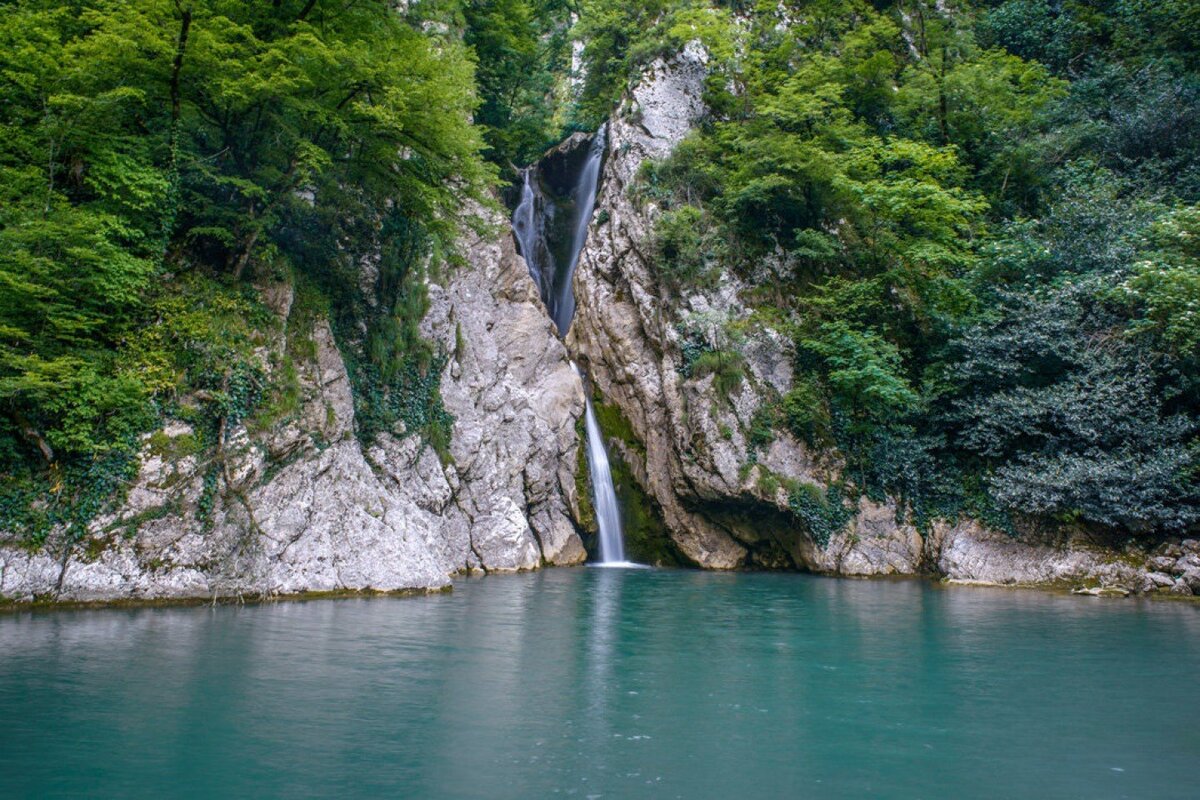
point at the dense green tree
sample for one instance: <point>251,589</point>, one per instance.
<point>975,220</point>
<point>966,224</point>
<point>523,50</point>
<point>156,153</point>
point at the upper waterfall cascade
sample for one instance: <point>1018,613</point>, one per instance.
<point>550,248</point>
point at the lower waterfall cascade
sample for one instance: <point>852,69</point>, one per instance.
<point>608,514</point>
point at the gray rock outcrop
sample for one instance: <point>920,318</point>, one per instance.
<point>303,507</point>
<point>726,496</point>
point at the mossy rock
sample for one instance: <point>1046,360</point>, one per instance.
<point>647,540</point>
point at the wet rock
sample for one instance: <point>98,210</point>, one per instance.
<point>1161,563</point>
<point>1170,550</point>
<point>1102,591</point>
<point>1161,580</point>
<point>1191,578</point>
<point>1187,563</point>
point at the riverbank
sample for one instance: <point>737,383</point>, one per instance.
<point>43,603</point>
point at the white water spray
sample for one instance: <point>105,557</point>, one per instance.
<point>528,232</point>
<point>604,495</point>
<point>585,204</point>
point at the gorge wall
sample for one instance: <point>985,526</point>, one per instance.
<point>304,507</point>
<point>721,491</point>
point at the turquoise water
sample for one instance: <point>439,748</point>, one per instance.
<point>611,683</point>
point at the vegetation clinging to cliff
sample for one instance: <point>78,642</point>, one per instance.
<point>977,221</point>
<point>154,154</point>
<point>982,240</point>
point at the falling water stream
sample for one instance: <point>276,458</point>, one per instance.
<point>528,233</point>
<point>585,205</point>
<point>550,250</point>
<point>608,515</point>
<point>533,227</point>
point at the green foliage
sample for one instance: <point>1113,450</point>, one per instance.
<point>685,250</point>
<point>976,223</point>
<point>35,503</point>
<point>521,47</point>
<point>156,158</point>
<point>1058,395</point>
<point>710,345</point>
<point>978,230</point>
<point>208,494</point>
<point>823,512</point>
<point>617,39</point>
<point>394,372</point>
<point>1163,291</point>
<point>762,427</point>
<point>861,370</point>
<point>727,367</point>
<point>806,413</point>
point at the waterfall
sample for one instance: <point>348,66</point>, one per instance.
<point>608,515</point>
<point>549,244</point>
<point>585,204</point>
<point>552,252</point>
<point>529,234</point>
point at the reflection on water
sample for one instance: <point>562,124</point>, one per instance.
<point>613,683</point>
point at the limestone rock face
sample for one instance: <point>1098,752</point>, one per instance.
<point>621,328</point>
<point>304,508</point>
<point>727,494</point>
<point>515,400</point>
<point>970,553</point>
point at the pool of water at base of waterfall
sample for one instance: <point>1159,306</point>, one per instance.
<point>610,683</point>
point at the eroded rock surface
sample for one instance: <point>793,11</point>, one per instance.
<point>725,495</point>
<point>304,508</point>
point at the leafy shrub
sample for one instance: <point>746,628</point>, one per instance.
<point>728,367</point>
<point>1130,489</point>
<point>806,412</point>
<point>685,250</point>
<point>762,426</point>
<point>822,512</point>
<point>862,370</point>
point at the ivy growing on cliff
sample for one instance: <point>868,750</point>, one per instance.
<point>974,220</point>
<point>159,160</point>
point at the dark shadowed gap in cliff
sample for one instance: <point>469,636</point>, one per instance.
<point>554,205</point>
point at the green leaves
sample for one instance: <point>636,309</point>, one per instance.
<point>862,370</point>
<point>963,246</point>
<point>1164,290</point>
<point>147,177</point>
<point>523,52</point>
<point>687,249</point>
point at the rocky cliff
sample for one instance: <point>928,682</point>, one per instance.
<point>725,491</point>
<point>304,507</point>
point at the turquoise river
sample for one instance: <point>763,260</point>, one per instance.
<point>611,683</point>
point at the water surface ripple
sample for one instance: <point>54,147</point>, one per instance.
<point>610,683</point>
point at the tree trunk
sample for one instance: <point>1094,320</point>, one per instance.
<point>185,24</point>
<point>32,436</point>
